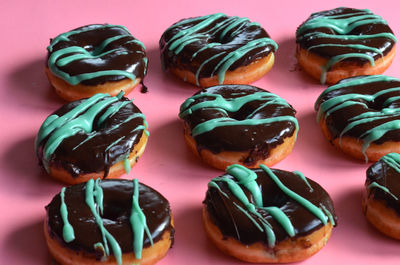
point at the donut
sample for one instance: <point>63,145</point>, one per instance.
<point>108,222</point>
<point>380,200</point>
<point>344,42</point>
<point>98,137</point>
<point>267,215</point>
<point>98,58</point>
<point>238,124</point>
<point>217,49</point>
<point>360,116</point>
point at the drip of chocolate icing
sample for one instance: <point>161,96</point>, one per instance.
<point>96,54</point>
<point>116,202</point>
<point>210,45</point>
<point>90,135</point>
<point>289,207</point>
<point>238,118</point>
<point>383,181</point>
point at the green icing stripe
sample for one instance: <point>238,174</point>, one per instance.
<point>393,160</point>
<point>328,213</point>
<point>190,35</point>
<point>127,165</point>
<point>214,123</point>
<point>138,223</point>
<point>342,57</point>
<point>232,57</point>
<point>281,218</point>
<point>70,54</point>
<point>241,196</point>
<point>232,105</point>
<point>247,178</point>
<point>68,230</point>
<point>92,193</point>
<point>302,201</point>
<point>303,178</point>
<point>376,185</point>
<point>342,25</point>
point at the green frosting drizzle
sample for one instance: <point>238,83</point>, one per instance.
<point>303,178</point>
<point>68,230</point>
<point>193,34</point>
<point>94,191</point>
<point>94,200</point>
<point>385,189</point>
<point>393,160</point>
<point>342,101</point>
<point>304,202</point>
<point>247,178</point>
<point>70,54</point>
<point>138,222</point>
<point>342,25</point>
<point>127,165</point>
<point>232,105</point>
<point>281,218</point>
<point>80,119</point>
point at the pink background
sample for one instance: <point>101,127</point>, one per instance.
<point>167,165</point>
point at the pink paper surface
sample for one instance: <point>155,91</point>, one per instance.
<point>167,165</point>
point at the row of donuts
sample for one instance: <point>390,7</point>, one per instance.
<point>217,49</point>
<point>122,131</point>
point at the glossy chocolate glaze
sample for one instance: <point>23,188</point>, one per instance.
<point>117,205</point>
<point>234,223</point>
<point>247,31</point>
<point>384,44</point>
<point>256,139</point>
<point>339,119</point>
<point>129,55</point>
<point>98,153</point>
<point>385,175</point>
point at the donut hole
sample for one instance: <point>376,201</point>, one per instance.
<point>115,212</point>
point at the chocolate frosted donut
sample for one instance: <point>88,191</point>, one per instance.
<point>360,115</point>
<point>381,202</point>
<point>110,221</point>
<point>102,136</point>
<point>93,59</point>
<point>243,124</point>
<point>208,50</point>
<point>278,216</point>
<point>344,42</point>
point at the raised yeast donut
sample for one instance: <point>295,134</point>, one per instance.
<point>238,124</point>
<point>267,215</point>
<point>360,116</point>
<point>108,222</point>
<point>98,137</point>
<point>99,58</point>
<point>381,202</point>
<point>217,49</point>
<point>344,42</point>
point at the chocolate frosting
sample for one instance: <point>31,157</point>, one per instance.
<point>107,144</point>
<point>308,38</point>
<point>374,96</point>
<point>125,53</point>
<point>388,177</point>
<point>117,203</point>
<point>257,139</point>
<point>227,35</point>
<point>236,223</point>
